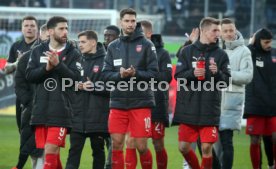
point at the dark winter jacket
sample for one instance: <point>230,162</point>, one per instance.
<point>160,111</point>
<point>200,107</point>
<point>260,93</point>
<point>52,106</point>
<point>139,52</point>
<point>24,92</point>
<point>90,108</point>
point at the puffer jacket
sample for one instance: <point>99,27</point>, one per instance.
<point>90,108</point>
<point>241,73</point>
<point>260,93</point>
<point>160,111</point>
<point>139,52</point>
<point>53,106</point>
<point>200,107</point>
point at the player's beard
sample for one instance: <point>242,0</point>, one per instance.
<point>60,40</point>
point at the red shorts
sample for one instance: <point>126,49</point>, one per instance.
<point>135,121</point>
<point>52,135</point>
<point>157,130</point>
<point>260,125</point>
<point>190,133</point>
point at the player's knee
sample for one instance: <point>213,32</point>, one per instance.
<point>158,145</point>
<point>130,143</point>
<point>255,139</point>
<point>117,143</point>
<point>51,149</point>
<point>142,148</point>
<point>184,148</point>
<point>206,149</point>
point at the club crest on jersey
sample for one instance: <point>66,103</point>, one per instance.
<point>96,68</point>
<point>273,58</point>
<point>63,58</point>
<point>138,48</point>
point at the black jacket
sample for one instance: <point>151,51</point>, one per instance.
<point>125,51</point>
<point>53,108</point>
<point>23,89</point>
<point>24,92</point>
<point>260,93</point>
<point>160,111</point>
<point>200,107</point>
<point>90,108</point>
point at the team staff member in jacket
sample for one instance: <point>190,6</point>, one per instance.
<point>159,114</point>
<point>91,109</point>
<point>132,55</point>
<point>260,96</point>
<point>24,92</point>
<point>29,29</point>
<point>198,111</point>
<point>233,98</point>
<point>49,63</point>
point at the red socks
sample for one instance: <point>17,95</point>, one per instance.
<point>191,159</point>
<point>131,158</point>
<point>59,165</point>
<point>207,163</point>
<point>255,155</point>
<point>50,161</point>
<point>146,160</point>
<point>117,159</point>
<point>162,159</point>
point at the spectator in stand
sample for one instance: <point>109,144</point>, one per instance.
<point>131,4</point>
<point>230,7</point>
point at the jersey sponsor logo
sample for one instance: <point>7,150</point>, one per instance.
<point>194,64</point>
<point>259,63</point>
<point>96,68</point>
<point>117,62</point>
<point>153,48</point>
<point>138,48</point>
<point>43,59</point>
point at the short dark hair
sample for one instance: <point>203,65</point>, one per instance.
<point>114,28</point>
<point>129,11</point>
<point>53,21</point>
<point>89,35</point>
<point>147,24</point>
<point>30,18</point>
<point>207,21</point>
<point>227,21</point>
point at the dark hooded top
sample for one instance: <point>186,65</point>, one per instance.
<point>53,107</point>
<point>260,96</point>
<point>139,52</point>
<point>200,107</point>
<point>160,111</point>
<point>91,108</point>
